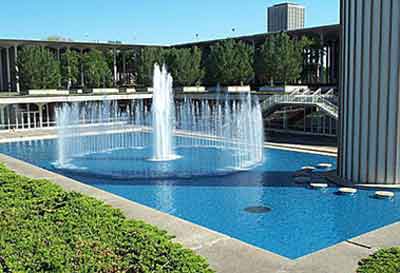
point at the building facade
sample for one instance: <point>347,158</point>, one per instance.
<point>284,17</point>
<point>369,143</point>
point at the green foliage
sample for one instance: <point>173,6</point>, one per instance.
<point>38,68</point>
<point>97,72</point>
<point>70,68</point>
<point>148,56</point>
<point>230,62</point>
<point>45,229</point>
<point>281,58</point>
<point>185,65</point>
<point>383,261</point>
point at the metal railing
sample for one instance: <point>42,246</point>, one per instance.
<point>319,101</point>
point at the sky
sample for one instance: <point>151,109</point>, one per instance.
<point>147,21</point>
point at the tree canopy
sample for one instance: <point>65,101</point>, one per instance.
<point>280,58</point>
<point>230,62</point>
<point>97,72</point>
<point>38,68</point>
<point>148,56</point>
<point>70,70</point>
<point>185,66</point>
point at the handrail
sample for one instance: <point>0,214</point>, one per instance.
<point>319,101</point>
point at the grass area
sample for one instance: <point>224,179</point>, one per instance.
<point>383,261</point>
<point>46,229</point>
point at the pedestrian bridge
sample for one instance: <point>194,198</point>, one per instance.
<point>273,103</point>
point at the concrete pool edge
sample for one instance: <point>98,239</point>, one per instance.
<point>226,254</point>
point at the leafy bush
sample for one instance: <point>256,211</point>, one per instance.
<point>97,72</point>
<point>383,261</point>
<point>230,62</point>
<point>38,68</point>
<point>45,229</point>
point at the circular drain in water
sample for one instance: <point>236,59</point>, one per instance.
<point>257,209</point>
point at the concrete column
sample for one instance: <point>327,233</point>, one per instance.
<point>124,67</point>
<point>40,108</point>
<point>16,116</point>
<point>369,143</point>
<point>8,117</point>
<point>321,61</point>
<point>17,88</point>
<point>8,69</point>
<point>115,78</point>
<point>28,110</point>
<point>2,118</point>
<point>333,62</point>
<point>48,115</point>
<point>1,70</point>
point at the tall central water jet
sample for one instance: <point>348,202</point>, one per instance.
<point>163,115</point>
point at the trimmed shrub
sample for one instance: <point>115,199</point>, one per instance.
<point>383,261</point>
<point>46,229</point>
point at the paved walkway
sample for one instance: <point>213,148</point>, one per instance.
<point>226,254</point>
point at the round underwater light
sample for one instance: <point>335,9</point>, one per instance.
<point>308,168</point>
<point>302,179</point>
<point>384,194</point>
<point>324,165</point>
<point>348,191</point>
<point>257,209</point>
<point>318,185</point>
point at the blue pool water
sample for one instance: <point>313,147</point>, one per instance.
<point>301,220</point>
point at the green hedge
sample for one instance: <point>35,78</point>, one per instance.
<point>383,261</point>
<point>46,229</point>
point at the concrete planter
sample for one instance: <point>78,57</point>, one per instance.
<point>105,90</point>
<point>130,90</point>
<point>233,88</point>
<point>190,89</point>
<point>47,92</point>
<point>282,89</point>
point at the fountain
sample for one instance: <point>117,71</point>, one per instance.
<point>140,139</point>
<point>163,114</point>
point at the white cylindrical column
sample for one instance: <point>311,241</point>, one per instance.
<point>16,69</point>
<point>1,70</point>
<point>369,143</point>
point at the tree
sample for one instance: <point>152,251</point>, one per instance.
<point>185,65</point>
<point>58,38</point>
<point>38,68</point>
<point>230,62</point>
<point>281,58</point>
<point>96,70</point>
<point>148,56</point>
<point>70,61</point>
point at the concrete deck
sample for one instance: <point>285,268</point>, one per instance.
<point>226,254</point>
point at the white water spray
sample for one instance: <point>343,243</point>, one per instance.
<point>163,113</point>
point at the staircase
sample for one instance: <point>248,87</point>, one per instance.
<point>271,104</point>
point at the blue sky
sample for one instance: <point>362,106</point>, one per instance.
<point>147,21</point>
